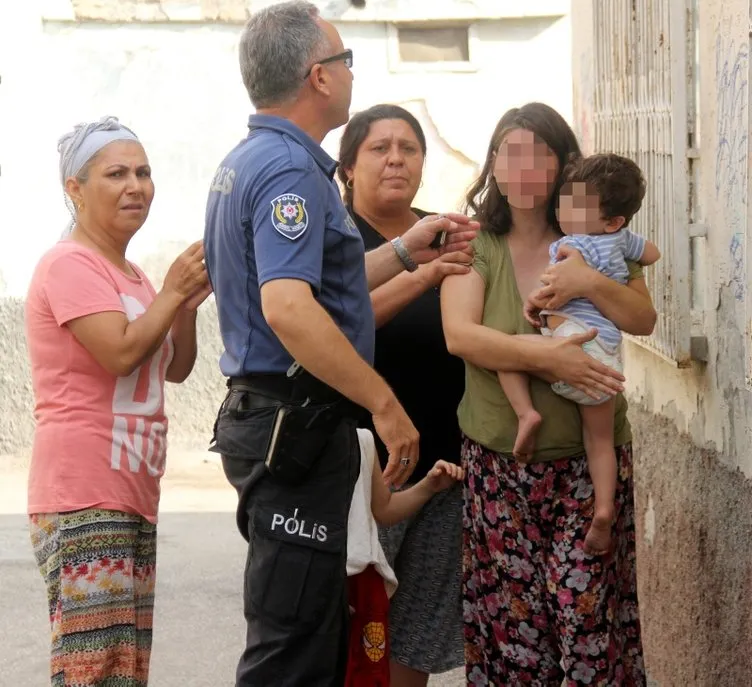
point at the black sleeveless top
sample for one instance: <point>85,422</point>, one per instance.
<point>411,355</point>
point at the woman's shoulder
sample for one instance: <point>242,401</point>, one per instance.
<point>69,261</point>
<point>63,257</point>
<point>490,244</point>
<point>68,250</point>
<point>64,246</point>
<point>489,254</point>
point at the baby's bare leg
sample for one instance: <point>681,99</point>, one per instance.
<point>598,436</point>
<point>516,386</point>
<point>553,321</point>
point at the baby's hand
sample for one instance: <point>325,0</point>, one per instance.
<point>443,475</point>
<point>533,305</point>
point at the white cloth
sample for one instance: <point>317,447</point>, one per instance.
<point>608,355</point>
<point>363,546</point>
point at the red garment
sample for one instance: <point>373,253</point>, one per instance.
<point>368,656</point>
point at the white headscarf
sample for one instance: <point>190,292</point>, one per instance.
<point>77,147</point>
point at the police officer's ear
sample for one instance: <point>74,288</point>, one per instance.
<point>320,80</point>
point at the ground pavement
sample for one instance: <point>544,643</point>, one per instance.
<point>198,624</point>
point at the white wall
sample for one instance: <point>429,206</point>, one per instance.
<point>178,86</point>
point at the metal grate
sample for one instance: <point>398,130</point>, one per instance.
<point>641,111</point>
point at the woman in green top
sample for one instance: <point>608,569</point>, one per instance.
<point>538,609</point>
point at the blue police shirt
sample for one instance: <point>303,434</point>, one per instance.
<point>274,212</point>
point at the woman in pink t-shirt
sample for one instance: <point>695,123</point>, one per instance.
<point>102,343</point>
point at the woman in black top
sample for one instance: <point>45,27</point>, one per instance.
<point>382,151</point>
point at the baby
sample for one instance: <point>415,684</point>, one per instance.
<point>371,580</point>
<point>600,195</point>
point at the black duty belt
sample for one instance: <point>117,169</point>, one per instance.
<point>287,390</point>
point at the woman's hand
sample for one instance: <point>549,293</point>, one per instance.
<point>567,362</point>
<point>568,279</point>
<point>629,307</point>
<point>187,276</point>
<point>458,262</point>
<point>460,231</point>
<point>198,298</point>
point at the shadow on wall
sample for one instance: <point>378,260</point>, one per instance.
<point>694,559</point>
<point>192,406</point>
<point>16,405</point>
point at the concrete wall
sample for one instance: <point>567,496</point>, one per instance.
<point>694,493</point>
<point>169,70</point>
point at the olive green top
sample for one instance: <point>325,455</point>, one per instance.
<point>485,414</point>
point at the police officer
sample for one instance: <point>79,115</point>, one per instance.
<point>292,283</point>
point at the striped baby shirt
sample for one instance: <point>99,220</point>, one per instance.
<point>607,253</point>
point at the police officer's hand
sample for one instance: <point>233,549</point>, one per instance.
<point>187,276</point>
<point>460,231</point>
<point>401,440</point>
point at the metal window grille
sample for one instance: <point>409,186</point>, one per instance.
<point>641,111</point>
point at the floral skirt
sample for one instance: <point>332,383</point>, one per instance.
<point>538,611</point>
<point>99,568</point>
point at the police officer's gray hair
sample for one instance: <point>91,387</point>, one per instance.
<point>278,46</point>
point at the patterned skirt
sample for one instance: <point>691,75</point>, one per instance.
<point>425,617</point>
<point>538,610</point>
<point>99,568</point>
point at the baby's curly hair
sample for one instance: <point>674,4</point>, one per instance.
<point>617,180</point>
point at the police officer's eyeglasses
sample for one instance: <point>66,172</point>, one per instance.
<point>346,57</point>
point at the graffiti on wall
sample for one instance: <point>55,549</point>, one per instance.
<point>731,149</point>
<point>736,253</point>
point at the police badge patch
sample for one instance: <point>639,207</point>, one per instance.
<point>289,215</point>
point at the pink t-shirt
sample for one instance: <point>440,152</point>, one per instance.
<point>100,440</point>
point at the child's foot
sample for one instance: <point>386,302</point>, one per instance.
<point>527,428</point>
<point>598,538</point>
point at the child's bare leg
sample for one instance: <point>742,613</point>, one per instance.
<point>553,321</point>
<point>516,386</point>
<point>598,436</point>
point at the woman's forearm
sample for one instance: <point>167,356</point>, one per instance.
<point>629,307</point>
<point>392,297</point>
<point>183,334</point>
<point>548,359</point>
<point>462,305</point>
<point>382,265</point>
<point>493,350</point>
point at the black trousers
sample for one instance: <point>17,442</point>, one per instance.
<point>295,600</point>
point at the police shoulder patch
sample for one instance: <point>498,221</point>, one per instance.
<point>289,215</point>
